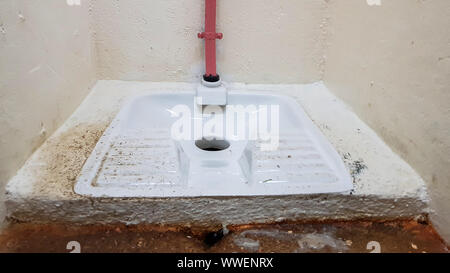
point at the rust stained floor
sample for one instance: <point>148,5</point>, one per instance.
<point>392,236</point>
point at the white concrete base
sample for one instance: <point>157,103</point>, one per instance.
<point>385,187</point>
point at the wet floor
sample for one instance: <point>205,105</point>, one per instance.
<point>361,236</point>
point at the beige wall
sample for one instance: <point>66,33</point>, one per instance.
<point>392,65</point>
<point>46,69</point>
<point>267,41</point>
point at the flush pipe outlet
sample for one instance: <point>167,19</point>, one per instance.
<point>211,90</point>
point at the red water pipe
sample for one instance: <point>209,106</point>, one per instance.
<point>210,37</point>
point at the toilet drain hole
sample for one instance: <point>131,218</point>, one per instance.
<point>213,145</point>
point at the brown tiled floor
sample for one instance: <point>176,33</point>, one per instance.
<point>394,236</point>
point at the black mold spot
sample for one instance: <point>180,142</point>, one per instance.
<point>358,167</point>
<point>213,238</point>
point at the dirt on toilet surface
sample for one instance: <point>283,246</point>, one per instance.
<point>354,236</point>
<point>63,158</point>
